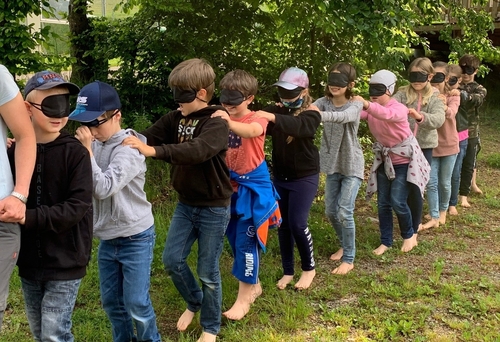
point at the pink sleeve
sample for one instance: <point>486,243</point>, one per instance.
<point>364,115</point>
<point>393,111</point>
<point>453,102</point>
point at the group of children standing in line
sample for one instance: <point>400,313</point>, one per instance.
<point>93,183</point>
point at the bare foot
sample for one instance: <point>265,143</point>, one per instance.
<point>380,250</point>
<point>409,244</point>
<point>185,320</point>
<point>305,280</point>
<point>283,282</point>
<point>207,337</point>
<point>473,186</point>
<point>247,293</point>
<point>337,255</point>
<point>442,217</point>
<point>475,189</point>
<point>452,210</point>
<point>464,202</point>
<point>344,268</point>
<point>433,223</point>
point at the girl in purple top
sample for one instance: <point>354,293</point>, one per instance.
<point>399,164</point>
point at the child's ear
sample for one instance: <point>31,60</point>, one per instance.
<point>28,108</point>
<point>351,85</point>
<point>202,94</point>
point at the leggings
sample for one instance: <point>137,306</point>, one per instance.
<point>297,196</point>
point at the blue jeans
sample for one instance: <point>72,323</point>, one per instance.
<point>49,307</point>
<point>208,225</point>
<point>439,186</point>
<point>393,194</point>
<point>124,275</point>
<point>340,198</point>
<point>455,177</point>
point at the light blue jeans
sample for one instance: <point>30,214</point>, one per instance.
<point>457,169</point>
<point>10,242</point>
<point>124,275</point>
<point>49,307</point>
<point>340,198</point>
<point>208,226</point>
<point>439,186</point>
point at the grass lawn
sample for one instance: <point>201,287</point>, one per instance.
<point>446,289</point>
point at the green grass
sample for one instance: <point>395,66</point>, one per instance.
<point>447,289</point>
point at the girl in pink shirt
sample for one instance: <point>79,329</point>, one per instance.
<point>399,165</point>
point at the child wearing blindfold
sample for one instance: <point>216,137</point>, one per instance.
<point>195,145</point>
<point>254,206</point>
<point>425,114</point>
<point>295,161</point>
<point>455,77</point>
<point>473,95</point>
<point>397,154</point>
<point>56,234</point>
<point>124,222</point>
<point>341,159</point>
<point>14,118</point>
<point>444,155</point>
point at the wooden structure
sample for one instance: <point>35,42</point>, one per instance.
<point>431,32</point>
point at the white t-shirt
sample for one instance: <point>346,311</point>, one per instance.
<point>8,91</point>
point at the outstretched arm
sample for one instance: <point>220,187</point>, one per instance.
<point>16,116</point>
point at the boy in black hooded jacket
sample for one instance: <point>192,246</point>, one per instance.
<point>56,233</point>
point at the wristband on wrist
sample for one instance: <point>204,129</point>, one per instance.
<point>19,196</point>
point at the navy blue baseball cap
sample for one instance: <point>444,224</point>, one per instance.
<point>47,79</point>
<point>94,100</point>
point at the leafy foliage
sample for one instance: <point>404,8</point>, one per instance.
<point>265,37</point>
<point>19,42</point>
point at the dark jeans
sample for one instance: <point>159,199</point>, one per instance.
<point>393,194</point>
<point>468,165</point>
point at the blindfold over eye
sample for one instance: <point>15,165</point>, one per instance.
<point>338,79</point>
<point>231,97</point>
<point>417,76</point>
<point>54,106</point>
<point>289,94</point>
<point>377,89</point>
<point>453,80</point>
<point>438,78</point>
<point>184,96</point>
<point>467,69</point>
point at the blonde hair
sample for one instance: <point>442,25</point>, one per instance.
<point>240,80</point>
<point>425,65</point>
<point>196,74</point>
<point>307,102</point>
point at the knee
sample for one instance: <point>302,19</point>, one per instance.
<point>345,215</point>
<point>170,262</point>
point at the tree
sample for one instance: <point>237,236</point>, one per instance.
<point>19,43</point>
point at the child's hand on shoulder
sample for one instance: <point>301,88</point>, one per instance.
<point>85,136</point>
<point>221,114</point>
<point>134,142</point>
<point>313,107</point>
<point>266,115</point>
<point>455,92</point>
<point>365,103</point>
